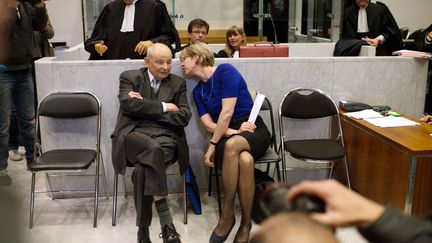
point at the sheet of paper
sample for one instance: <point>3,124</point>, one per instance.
<point>391,121</point>
<point>259,99</point>
<point>409,53</point>
<point>364,114</point>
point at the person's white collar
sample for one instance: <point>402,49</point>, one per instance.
<point>129,18</point>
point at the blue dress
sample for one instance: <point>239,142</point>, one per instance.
<point>227,82</point>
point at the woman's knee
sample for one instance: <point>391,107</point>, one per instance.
<point>246,161</point>
<point>235,145</point>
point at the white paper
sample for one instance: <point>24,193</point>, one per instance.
<point>409,53</point>
<point>364,114</point>
<point>391,121</point>
<point>259,99</point>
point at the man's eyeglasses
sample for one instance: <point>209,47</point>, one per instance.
<point>197,32</point>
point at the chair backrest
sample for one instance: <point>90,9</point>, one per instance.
<point>303,103</point>
<point>267,106</point>
<point>405,32</point>
<point>308,103</point>
<point>70,105</point>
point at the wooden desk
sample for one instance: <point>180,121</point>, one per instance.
<point>391,165</point>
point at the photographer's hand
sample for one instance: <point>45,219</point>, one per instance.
<point>343,207</point>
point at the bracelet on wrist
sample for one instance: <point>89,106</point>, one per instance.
<point>213,143</point>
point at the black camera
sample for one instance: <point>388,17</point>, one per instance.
<point>273,200</point>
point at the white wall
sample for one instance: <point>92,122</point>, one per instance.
<point>220,14</point>
<point>414,14</point>
<point>65,16</point>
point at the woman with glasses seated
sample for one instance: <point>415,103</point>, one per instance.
<point>235,37</point>
<point>224,104</point>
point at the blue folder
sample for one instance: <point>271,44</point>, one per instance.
<point>193,191</point>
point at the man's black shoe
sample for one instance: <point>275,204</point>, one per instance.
<point>143,235</point>
<point>147,240</point>
<point>169,234</point>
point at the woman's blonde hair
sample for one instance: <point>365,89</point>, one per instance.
<point>234,30</point>
<point>201,51</point>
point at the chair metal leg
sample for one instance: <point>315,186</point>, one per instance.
<point>210,182</point>
<point>52,195</point>
<point>124,185</point>
<point>268,169</point>
<point>218,192</point>
<point>96,203</point>
<point>114,207</point>
<point>104,177</point>
<point>331,170</point>
<point>184,199</point>
<point>32,197</point>
<point>347,172</point>
<point>278,171</point>
<point>284,172</point>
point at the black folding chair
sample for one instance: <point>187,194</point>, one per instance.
<point>302,105</point>
<point>68,107</point>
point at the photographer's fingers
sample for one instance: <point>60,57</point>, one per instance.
<point>343,207</point>
<point>325,218</point>
<point>308,187</point>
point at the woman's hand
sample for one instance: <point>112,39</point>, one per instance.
<point>247,126</point>
<point>209,156</point>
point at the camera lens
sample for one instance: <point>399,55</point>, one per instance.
<point>274,200</point>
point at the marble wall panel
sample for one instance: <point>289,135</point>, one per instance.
<point>398,82</point>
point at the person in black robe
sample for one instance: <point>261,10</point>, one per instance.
<point>151,24</point>
<point>380,28</point>
<point>424,43</point>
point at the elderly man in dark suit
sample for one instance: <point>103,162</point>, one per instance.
<point>150,134</point>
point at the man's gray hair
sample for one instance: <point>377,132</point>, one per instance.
<point>153,48</point>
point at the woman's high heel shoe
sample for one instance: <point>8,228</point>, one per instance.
<point>235,238</point>
<point>214,238</point>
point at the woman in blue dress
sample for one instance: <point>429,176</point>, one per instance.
<point>224,103</point>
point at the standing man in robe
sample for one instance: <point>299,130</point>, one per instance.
<point>374,23</point>
<point>149,133</point>
<point>127,28</point>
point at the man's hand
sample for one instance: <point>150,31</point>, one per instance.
<point>343,207</point>
<point>171,107</point>
<point>209,156</point>
<point>247,126</point>
<point>427,119</point>
<point>133,94</point>
<point>429,37</point>
<point>40,4</point>
<point>142,46</point>
<point>101,48</point>
<point>373,42</point>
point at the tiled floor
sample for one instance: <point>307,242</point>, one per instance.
<point>70,220</point>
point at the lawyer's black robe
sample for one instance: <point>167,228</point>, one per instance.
<point>380,22</point>
<point>152,22</point>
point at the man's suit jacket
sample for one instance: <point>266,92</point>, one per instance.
<point>134,111</point>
